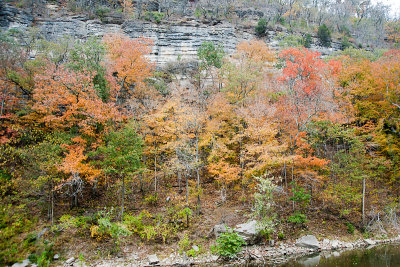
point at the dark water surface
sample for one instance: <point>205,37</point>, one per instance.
<point>379,256</point>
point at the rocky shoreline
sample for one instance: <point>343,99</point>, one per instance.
<point>256,254</point>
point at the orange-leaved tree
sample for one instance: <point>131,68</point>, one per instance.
<point>67,99</point>
<point>128,61</point>
<point>308,90</point>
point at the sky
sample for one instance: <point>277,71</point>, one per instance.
<point>394,4</point>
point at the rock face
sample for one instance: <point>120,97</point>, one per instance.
<point>248,231</point>
<point>11,17</point>
<point>174,41</point>
<point>308,241</point>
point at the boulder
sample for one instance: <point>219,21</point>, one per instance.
<point>369,242</point>
<point>218,229</point>
<point>153,259</point>
<point>24,263</point>
<point>248,231</point>
<point>70,260</point>
<point>308,241</point>
<point>335,244</point>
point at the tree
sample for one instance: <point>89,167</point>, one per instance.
<point>324,35</point>
<point>128,62</point>
<point>308,90</point>
<point>261,27</point>
<point>244,75</point>
<point>69,99</point>
<point>121,156</point>
<point>78,170</point>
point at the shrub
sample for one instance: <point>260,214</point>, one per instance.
<point>350,227</point>
<point>154,16</point>
<point>300,197</point>
<point>291,40</point>
<point>263,203</point>
<point>184,244</point>
<point>261,27</point>
<point>229,244</point>
<point>307,41</point>
<point>159,227</point>
<point>345,43</point>
<point>324,35</point>
<point>298,218</point>
<point>101,12</point>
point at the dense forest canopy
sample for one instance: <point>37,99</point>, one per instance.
<point>97,141</point>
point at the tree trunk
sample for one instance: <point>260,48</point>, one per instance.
<point>187,189</point>
<point>179,181</point>
<point>363,202</point>
<point>122,198</point>
<point>155,171</point>
<point>2,106</point>
<point>198,209</point>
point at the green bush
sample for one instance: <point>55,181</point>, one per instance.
<point>229,244</point>
<point>350,227</point>
<point>324,35</point>
<point>261,27</point>
<point>154,16</point>
<point>307,41</point>
<point>281,236</point>
<point>102,11</point>
<point>161,227</point>
<point>300,197</point>
<point>291,40</point>
<point>298,218</point>
<point>345,43</point>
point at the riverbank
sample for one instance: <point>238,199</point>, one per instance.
<point>256,254</point>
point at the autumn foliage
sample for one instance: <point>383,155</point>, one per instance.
<point>95,121</point>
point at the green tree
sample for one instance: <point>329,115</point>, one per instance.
<point>324,35</point>
<point>122,154</point>
<point>307,41</point>
<point>210,55</point>
<point>261,27</point>
<point>88,56</point>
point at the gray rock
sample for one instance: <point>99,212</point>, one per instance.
<point>218,229</point>
<point>70,260</point>
<point>348,245</point>
<point>24,263</point>
<point>308,241</point>
<point>271,242</point>
<point>153,259</point>
<point>369,242</point>
<point>335,244</point>
<point>336,254</point>
<point>56,257</point>
<point>195,248</point>
<point>248,231</point>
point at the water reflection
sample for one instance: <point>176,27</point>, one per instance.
<point>373,256</point>
<point>380,256</point>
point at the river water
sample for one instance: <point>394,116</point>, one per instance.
<point>378,256</point>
